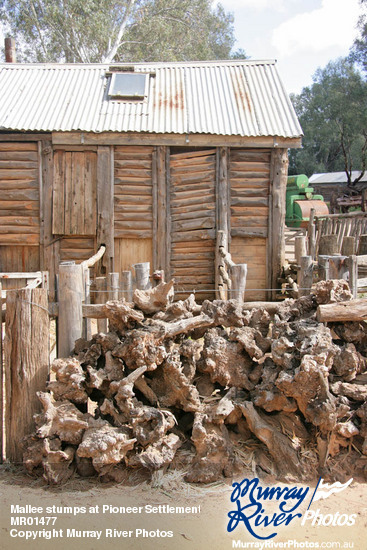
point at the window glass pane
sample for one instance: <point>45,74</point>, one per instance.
<point>128,85</point>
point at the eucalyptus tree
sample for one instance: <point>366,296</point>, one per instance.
<point>359,50</point>
<point>333,115</point>
<point>88,31</point>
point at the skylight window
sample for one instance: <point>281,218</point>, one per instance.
<point>128,85</point>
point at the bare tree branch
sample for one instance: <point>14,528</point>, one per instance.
<point>36,22</point>
<point>116,44</point>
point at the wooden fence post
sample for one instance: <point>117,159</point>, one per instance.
<point>323,262</point>
<point>353,275</point>
<point>238,277</point>
<point>142,272</point>
<point>300,248</point>
<point>362,247</point>
<point>113,282</point>
<point>311,230</point>
<point>328,245</point>
<point>27,354</point>
<point>305,275</point>
<point>87,327</point>
<point>101,294</point>
<point>86,265</point>
<point>348,246</point>
<point>127,286</point>
<point>338,267</point>
<point>333,267</point>
<point>70,297</point>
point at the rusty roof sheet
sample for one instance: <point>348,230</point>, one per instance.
<point>242,98</point>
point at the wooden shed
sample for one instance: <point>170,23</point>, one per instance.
<point>335,183</point>
<point>151,160</point>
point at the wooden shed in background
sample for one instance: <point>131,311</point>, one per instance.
<point>150,160</point>
<point>328,184</point>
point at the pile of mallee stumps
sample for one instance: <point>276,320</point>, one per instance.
<point>213,384</point>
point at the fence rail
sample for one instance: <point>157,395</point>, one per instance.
<point>353,224</point>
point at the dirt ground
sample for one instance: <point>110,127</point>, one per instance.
<point>204,527</point>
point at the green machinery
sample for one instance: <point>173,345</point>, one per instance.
<point>300,200</point>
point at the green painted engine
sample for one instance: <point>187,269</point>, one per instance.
<point>300,199</point>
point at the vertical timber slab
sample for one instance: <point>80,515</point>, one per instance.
<point>168,240</point>
<point>353,275</point>
<point>87,324</point>
<point>160,236</point>
<point>70,297</point>
<point>1,380</point>
<point>269,243</point>
<point>101,298</point>
<point>49,246</point>
<point>113,286</point>
<point>300,248</point>
<point>279,170</point>
<point>27,359</point>
<point>305,276</point>
<point>238,277</point>
<point>105,213</point>
<point>223,191</point>
<point>222,208</point>
<point>127,286</point>
<point>155,210</point>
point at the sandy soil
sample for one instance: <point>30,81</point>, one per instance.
<point>205,528</point>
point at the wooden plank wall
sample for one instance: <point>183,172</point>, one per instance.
<point>17,259</point>
<point>74,193</point>
<point>253,252</point>
<point>192,210</point>
<point>143,177</point>
<point>77,248</point>
<point>249,176</point>
<point>133,206</point>
<point>19,209</point>
<point>132,251</point>
<point>19,194</point>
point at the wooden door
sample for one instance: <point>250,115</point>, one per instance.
<point>75,193</point>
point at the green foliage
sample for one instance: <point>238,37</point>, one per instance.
<point>120,30</point>
<point>333,115</point>
<point>359,50</point>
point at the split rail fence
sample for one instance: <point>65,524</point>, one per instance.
<point>335,247</point>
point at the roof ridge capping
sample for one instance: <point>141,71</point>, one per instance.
<point>142,64</point>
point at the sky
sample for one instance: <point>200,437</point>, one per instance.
<point>302,35</point>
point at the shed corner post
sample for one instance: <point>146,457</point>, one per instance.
<point>223,232</point>
<point>279,165</point>
<point>105,210</point>
<point>49,246</point>
<point>161,218</point>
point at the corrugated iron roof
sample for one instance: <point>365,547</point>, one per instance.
<point>243,98</point>
<point>335,177</point>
